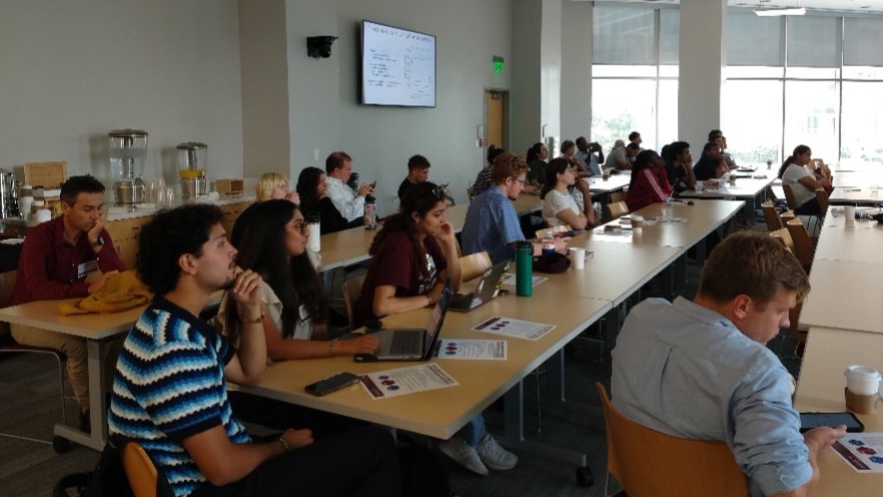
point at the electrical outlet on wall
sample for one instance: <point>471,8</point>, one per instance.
<point>316,154</point>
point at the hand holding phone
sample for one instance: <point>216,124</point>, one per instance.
<point>332,383</point>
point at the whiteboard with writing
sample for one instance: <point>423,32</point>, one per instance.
<point>398,66</point>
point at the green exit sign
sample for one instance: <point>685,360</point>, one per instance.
<point>498,64</point>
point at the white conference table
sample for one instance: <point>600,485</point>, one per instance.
<point>614,183</point>
<point>860,242</point>
<point>97,329</point>
<point>855,195</point>
<point>744,188</point>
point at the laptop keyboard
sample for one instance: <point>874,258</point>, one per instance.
<point>406,342</point>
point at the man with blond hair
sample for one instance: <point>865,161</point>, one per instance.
<point>701,370</point>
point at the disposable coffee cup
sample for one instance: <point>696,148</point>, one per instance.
<point>849,213</point>
<point>43,215</point>
<point>699,186</point>
<point>732,179</point>
<point>24,206</point>
<point>862,380</point>
<point>637,221</point>
<point>577,257</point>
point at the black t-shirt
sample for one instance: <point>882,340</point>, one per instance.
<point>405,187</point>
<point>676,175</point>
<point>705,169</point>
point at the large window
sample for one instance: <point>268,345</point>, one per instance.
<point>813,80</point>
<point>635,75</point>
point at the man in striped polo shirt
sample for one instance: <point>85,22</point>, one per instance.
<point>169,391</point>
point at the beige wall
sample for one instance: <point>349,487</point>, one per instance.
<point>72,70</point>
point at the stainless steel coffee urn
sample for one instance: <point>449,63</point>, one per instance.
<point>128,152</point>
<point>193,169</point>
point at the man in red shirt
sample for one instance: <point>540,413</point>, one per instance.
<point>56,258</point>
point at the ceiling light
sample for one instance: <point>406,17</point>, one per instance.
<point>799,11</point>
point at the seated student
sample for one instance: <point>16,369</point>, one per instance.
<point>414,255</point>
<point>701,370</point>
<point>271,239</point>
<point>568,153</point>
<point>617,158</point>
<point>717,136</point>
<point>711,165</point>
<point>536,160</point>
<point>631,153</point>
<point>274,185</point>
<point>56,258</point>
<point>312,189</point>
<point>590,154</point>
<point>679,167</point>
<point>559,206</point>
<point>803,183</point>
<point>192,437</point>
<point>483,180</point>
<point>649,183</point>
<point>491,221</point>
<point>418,172</point>
<point>348,201</point>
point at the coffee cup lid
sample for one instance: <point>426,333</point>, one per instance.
<point>866,373</point>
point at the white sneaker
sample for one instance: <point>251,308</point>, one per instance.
<point>457,449</point>
<point>493,455</point>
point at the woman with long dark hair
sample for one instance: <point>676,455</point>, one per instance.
<point>414,254</point>
<point>649,183</point>
<point>559,206</point>
<point>802,182</point>
<point>311,189</point>
<point>271,238</point>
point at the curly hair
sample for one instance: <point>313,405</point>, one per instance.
<point>507,165</point>
<point>168,236</point>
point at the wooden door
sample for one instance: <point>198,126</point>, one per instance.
<point>494,105</point>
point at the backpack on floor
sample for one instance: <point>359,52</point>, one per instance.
<point>423,473</point>
<point>108,479</point>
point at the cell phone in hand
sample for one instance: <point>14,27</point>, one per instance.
<point>810,420</point>
<point>332,383</point>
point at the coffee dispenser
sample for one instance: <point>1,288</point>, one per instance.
<point>8,194</point>
<point>193,169</point>
<point>128,152</point>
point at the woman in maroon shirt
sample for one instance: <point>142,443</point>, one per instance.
<point>414,254</point>
<point>649,183</point>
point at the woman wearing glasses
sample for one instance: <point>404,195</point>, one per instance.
<point>559,206</point>
<point>271,238</point>
<point>414,255</point>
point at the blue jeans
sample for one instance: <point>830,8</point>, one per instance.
<point>474,431</point>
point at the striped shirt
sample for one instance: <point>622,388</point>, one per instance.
<point>169,385</point>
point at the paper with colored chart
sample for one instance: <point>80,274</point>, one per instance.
<point>863,452</point>
<point>403,381</point>
<point>494,350</point>
<point>515,328</point>
<point>509,279</point>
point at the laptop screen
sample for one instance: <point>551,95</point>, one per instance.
<point>437,318</point>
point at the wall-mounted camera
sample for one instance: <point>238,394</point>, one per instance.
<point>319,47</point>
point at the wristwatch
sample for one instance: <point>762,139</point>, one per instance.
<point>98,243</point>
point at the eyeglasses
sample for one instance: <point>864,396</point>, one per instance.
<point>523,182</point>
<point>300,226</point>
<point>441,191</point>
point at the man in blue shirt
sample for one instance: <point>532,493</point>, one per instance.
<point>491,220</point>
<point>170,394</point>
<point>701,370</point>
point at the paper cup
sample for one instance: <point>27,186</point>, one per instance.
<point>43,215</point>
<point>699,186</point>
<point>24,206</point>
<point>637,221</point>
<point>862,380</point>
<point>577,257</point>
<point>849,213</point>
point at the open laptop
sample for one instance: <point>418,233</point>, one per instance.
<point>488,288</point>
<point>412,344</point>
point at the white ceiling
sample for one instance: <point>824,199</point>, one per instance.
<point>823,5</point>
